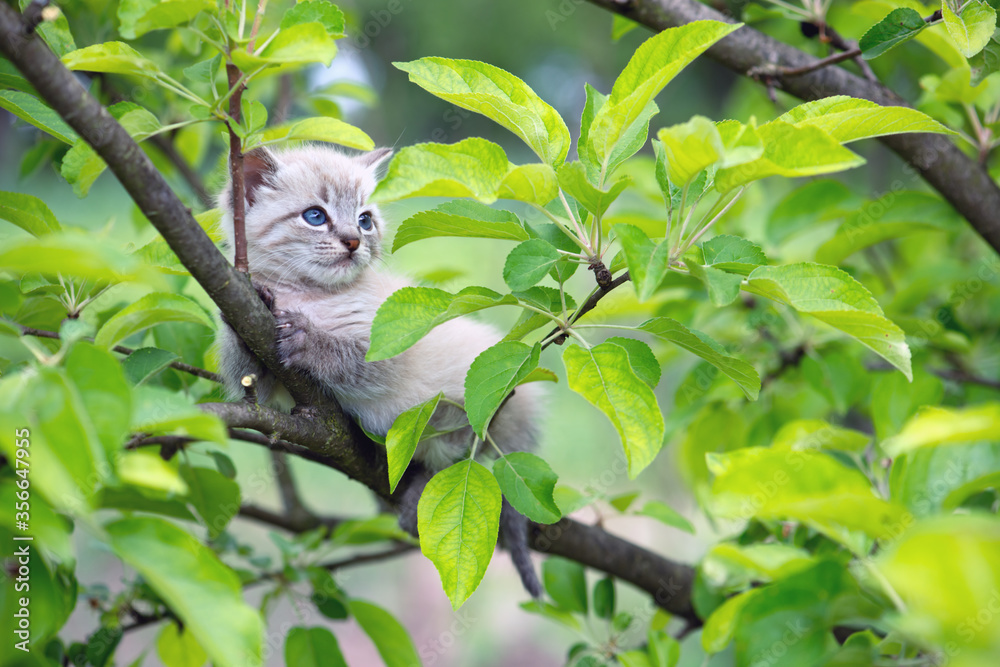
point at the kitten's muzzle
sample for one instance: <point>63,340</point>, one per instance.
<point>351,244</point>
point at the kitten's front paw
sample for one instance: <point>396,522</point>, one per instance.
<point>291,336</point>
<point>265,294</point>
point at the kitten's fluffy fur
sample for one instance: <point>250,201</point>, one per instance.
<point>324,299</point>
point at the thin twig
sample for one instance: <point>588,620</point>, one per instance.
<point>559,335</point>
<point>236,171</point>
<point>121,349</point>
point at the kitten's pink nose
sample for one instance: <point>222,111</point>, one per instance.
<point>351,244</point>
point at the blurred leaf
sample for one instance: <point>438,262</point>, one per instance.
<point>470,168</point>
<point>551,612</point>
<point>664,650</point>
<point>411,312</point>
<point>742,373</point>
<point>402,438</point>
<point>159,411</point>
<point>604,376</point>
<point>666,515</point>
<point>498,95</point>
<point>931,479</point>
<point>573,179</point>
<point>806,486</point>
<point>329,598</point>
<point>179,648</point>
<point>329,130</point>
<point>29,109</point>
<point>458,519</point>
<point>940,426</point>
<point>834,297</point>
<point>945,569</point>
<point>812,434</point>
<point>492,376</point>
<point>203,593</point>
<point>566,583</point>
<point>899,26</point>
<point>106,395</point>
<point>527,482</point>
<point>720,627</point>
<point>648,261</point>
<point>816,201</point>
<point>460,218</point>
<point>148,311</point>
<point>313,647</point>
<point>75,253</point>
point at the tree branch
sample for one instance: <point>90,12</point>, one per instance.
<point>229,289</point>
<point>587,306</point>
<point>959,179</point>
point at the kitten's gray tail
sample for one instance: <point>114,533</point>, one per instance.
<point>514,532</point>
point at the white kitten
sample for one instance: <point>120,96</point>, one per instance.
<point>312,244</point>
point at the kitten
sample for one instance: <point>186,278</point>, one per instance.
<point>313,242</point>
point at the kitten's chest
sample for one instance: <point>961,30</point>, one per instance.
<point>348,311</point>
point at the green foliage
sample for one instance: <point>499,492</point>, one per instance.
<point>845,485</point>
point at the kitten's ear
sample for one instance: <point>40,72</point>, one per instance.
<point>372,159</point>
<point>258,166</point>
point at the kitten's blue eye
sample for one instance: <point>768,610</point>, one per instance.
<point>365,221</point>
<point>314,216</point>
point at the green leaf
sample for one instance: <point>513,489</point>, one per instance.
<point>498,95</point>
<point>179,648</point>
<point>299,44</point>
<point>663,650</point>
<point>410,313</point>
<point>29,213</point>
<point>737,370</point>
<point>729,566</point>
<point>159,411</point>
<point>985,62</point>
<point>204,593</point>
<point>834,297</point>
<point>325,13</point>
<point>146,362</point>
<point>900,214</point>
<point>402,439</point>
<point>689,148</point>
<point>68,462</point>
<point>723,287</point>
<point>29,109</point>
<point>528,263</point>
<point>393,643</point>
<point>566,583</point>
<point>789,150</point>
<point>733,254</point>
<point>470,168</point>
<point>931,479</point>
<point>604,598</point>
<point>666,515</point>
<point>721,626</point>
<point>641,359</point>
<point>460,218</point>
<point>492,376</point>
<point>604,377</point>
<point>214,496</point>
<point>458,519</point>
<point>313,647</point>
<point>814,202</point>
<point>848,119</point>
<point>623,501</point>
<point>150,310</point>
<point>330,130</point>
<point>329,598</point>
<point>573,179</point>
<point>807,486</point>
<point>112,58</point>
<point>899,26</point>
<point>972,29</point>
<point>533,183</point>
<point>528,483</point>
<point>149,471</point>
<point>934,426</point>
<point>653,65</point>
<point>648,262</point>
<point>137,17</point>
<point>98,378</point>
<point>940,568</point>
<point>804,434</point>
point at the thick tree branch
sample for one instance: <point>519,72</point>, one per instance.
<point>229,289</point>
<point>959,179</point>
